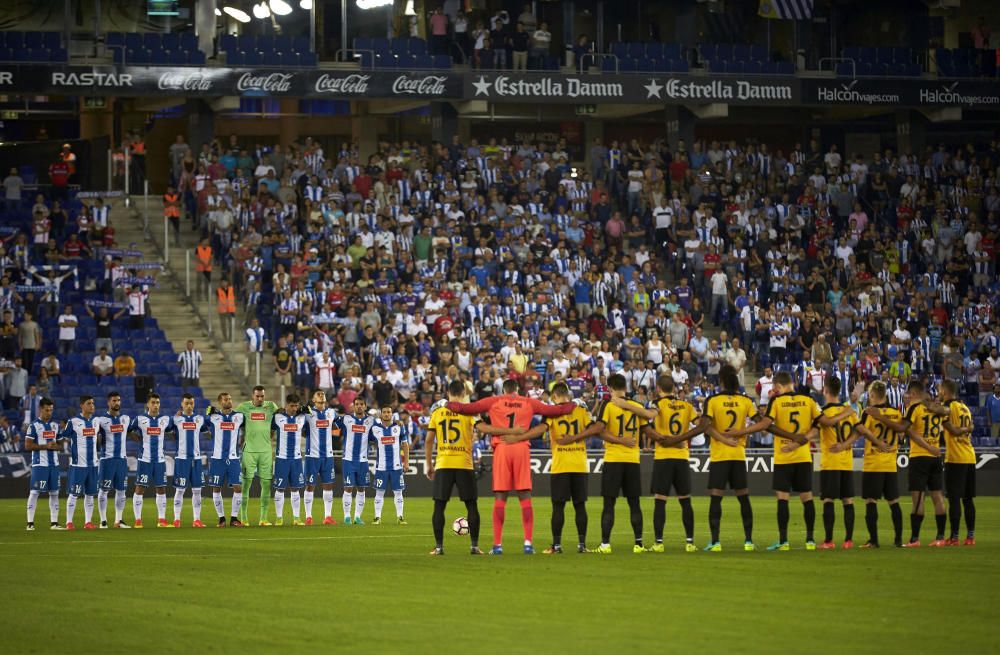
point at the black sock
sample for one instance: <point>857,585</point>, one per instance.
<point>746,513</point>
<point>897,523</point>
<point>437,522</point>
<point>969,505</point>
<point>558,520</point>
<point>635,517</point>
<point>782,520</point>
<point>809,514</point>
<point>472,509</point>
<point>849,522</point>
<point>916,520</point>
<point>714,516</point>
<point>954,515</point>
<point>687,518</point>
<point>580,507</point>
<point>659,518</point>
<point>829,517</point>
<point>871,519</point>
<point>607,519</point>
<point>942,521</point>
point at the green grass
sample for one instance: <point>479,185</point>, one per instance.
<point>374,589</point>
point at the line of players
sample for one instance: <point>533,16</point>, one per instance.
<point>729,417</point>
<point>98,463</point>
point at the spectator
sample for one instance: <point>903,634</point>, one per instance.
<point>527,18</point>
<point>15,383</point>
<point>190,360</point>
<point>137,297</point>
<point>59,172</point>
<point>124,366</point>
<point>282,364</point>
<point>519,44</point>
<point>67,330</point>
<point>499,42</point>
<point>29,406</point>
<point>993,411</point>
<point>102,364</point>
<point>226,307</point>
<point>541,42</point>
<point>439,32</point>
<point>52,366</point>
<point>12,186</point>
<point>104,320</point>
<point>10,438</point>
<point>29,337</point>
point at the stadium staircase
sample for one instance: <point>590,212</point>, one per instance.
<point>179,318</point>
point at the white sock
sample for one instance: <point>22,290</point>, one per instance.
<point>119,505</point>
<point>309,503</point>
<point>196,503</point>
<point>178,503</point>
<point>328,503</point>
<point>70,507</point>
<point>279,504</point>
<point>220,508</point>
<point>359,503</point>
<point>137,506</point>
<point>53,506</point>
<point>102,505</point>
<point>237,503</point>
<point>296,504</point>
<point>88,508</point>
<point>347,504</point>
<point>397,498</point>
<point>379,499</point>
<point>32,504</point>
<point>161,507</point>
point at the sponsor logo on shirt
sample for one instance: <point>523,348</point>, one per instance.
<point>322,424</point>
<point>189,425</point>
<point>388,440</point>
<point>49,434</point>
<point>89,432</point>
<point>291,427</point>
<point>258,416</point>
<point>227,425</point>
<point>357,428</point>
<point>117,427</point>
<point>153,432</point>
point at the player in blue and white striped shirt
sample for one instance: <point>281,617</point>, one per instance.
<point>224,463</point>
<point>152,469</point>
<point>114,467</point>
<point>322,426</point>
<point>356,429</point>
<point>187,464</point>
<point>81,431</point>
<point>42,441</point>
<point>288,468</point>
<point>393,450</point>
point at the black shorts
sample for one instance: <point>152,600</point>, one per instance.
<point>731,473</point>
<point>796,477</point>
<point>671,473</point>
<point>569,486</point>
<point>836,484</point>
<point>960,480</point>
<point>464,479</point>
<point>880,485</point>
<point>926,474</point>
<point>621,476</point>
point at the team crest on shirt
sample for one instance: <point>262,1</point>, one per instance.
<point>258,416</point>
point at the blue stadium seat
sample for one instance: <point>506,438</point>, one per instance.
<point>654,50</point>
<point>189,41</point>
<point>283,43</point>
<point>707,51</point>
<point>647,65</point>
<point>133,40</point>
<point>362,43</point>
<point>883,55</point>
<point>628,65</point>
<point>400,45</point>
<point>425,61</point>
<point>619,49</point>
<point>235,58</point>
<point>845,69</point>
<point>272,58</point>
<point>33,40</point>
<point>59,55</point>
<point>159,57</point>
<point>851,53</point>
<point>717,66</point>
<point>114,39</point>
<point>680,66</point>
<point>758,53</point>
<point>308,59</point>
<point>417,46</point>
<point>196,57</point>
<point>246,43</point>
<point>176,57</point>
<point>406,60</point>
<point>636,50</point>
<point>6,54</point>
<point>265,44</point>
<point>785,68</point>
<point>752,68</point>
<point>672,51</point>
<point>662,65</point>
<point>381,45</point>
<point>724,51</point>
<point>442,62</point>
<point>902,55</point>
<point>170,41</point>
<point>301,44</point>
<point>252,59</point>
<point>735,67</point>
<point>14,40</point>
<point>227,43</point>
<point>289,58</point>
<point>741,52</point>
<point>867,54</point>
<point>385,60</point>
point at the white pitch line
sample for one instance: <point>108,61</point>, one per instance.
<point>216,541</point>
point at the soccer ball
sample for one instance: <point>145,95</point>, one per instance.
<point>461,526</point>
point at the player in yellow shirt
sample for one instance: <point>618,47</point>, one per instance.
<point>728,410</point>
<point>790,416</point>
<point>450,434</point>
<point>836,476</point>
<point>672,432</point>
<point>569,468</point>
<point>620,430</point>
<point>922,424</point>
<point>879,478</point>
<point>959,463</point>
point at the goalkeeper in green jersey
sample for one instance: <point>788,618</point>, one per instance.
<point>258,451</point>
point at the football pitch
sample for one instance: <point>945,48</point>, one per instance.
<point>374,588</point>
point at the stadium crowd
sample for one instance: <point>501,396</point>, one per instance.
<point>390,274</point>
